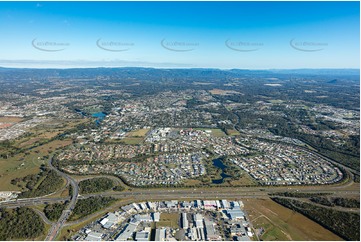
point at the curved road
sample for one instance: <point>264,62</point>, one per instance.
<point>176,193</point>
<point>54,230</point>
<point>42,215</point>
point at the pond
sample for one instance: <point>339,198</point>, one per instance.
<point>100,116</point>
<point>219,164</point>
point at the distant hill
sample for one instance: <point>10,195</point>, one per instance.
<point>177,73</point>
<point>318,71</point>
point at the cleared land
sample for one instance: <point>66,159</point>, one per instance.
<point>214,132</point>
<point>42,136</point>
<point>138,133</point>
<point>223,92</point>
<point>192,182</point>
<point>5,125</point>
<point>281,223</point>
<point>232,132</point>
<point>10,119</point>
<point>132,140</point>
<point>168,220</point>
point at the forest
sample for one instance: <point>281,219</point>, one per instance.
<point>20,224</point>
<point>95,185</point>
<point>54,211</point>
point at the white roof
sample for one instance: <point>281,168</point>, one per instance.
<point>127,232</point>
<point>160,235</point>
<point>142,236</point>
<point>94,236</point>
<point>112,217</point>
<point>104,221</point>
<point>209,203</point>
<point>156,216</point>
<point>198,217</point>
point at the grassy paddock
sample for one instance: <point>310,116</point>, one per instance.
<point>132,140</point>
<point>281,223</point>
<point>168,220</point>
<point>22,165</point>
<point>232,132</point>
<point>138,133</point>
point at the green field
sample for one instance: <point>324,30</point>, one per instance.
<point>16,167</point>
<point>39,147</point>
<point>25,164</point>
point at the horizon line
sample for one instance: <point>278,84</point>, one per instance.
<point>189,68</point>
<point>194,68</point>
<point>116,63</point>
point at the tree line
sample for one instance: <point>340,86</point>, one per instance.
<point>344,224</point>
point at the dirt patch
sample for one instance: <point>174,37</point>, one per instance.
<point>5,125</point>
<point>10,119</point>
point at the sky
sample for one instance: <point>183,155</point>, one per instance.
<point>244,35</point>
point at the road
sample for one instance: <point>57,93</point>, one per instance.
<point>42,215</point>
<point>221,192</point>
<point>31,202</point>
<point>54,230</point>
<point>139,194</point>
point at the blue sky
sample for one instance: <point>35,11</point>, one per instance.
<point>246,35</point>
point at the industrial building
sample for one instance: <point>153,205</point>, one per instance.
<point>185,223</point>
<point>160,235</point>
<point>127,232</point>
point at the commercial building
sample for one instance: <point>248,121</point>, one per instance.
<point>142,236</point>
<point>160,235</point>
<point>185,223</point>
<point>127,232</point>
<point>156,216</point>
<point>94,236</point>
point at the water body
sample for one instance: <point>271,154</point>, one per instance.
<point>219,164</point>
<point>100,116</point>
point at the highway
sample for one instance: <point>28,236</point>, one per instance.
<point>139,194</point>
<point>55,229</point>
<point>222,192</point>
